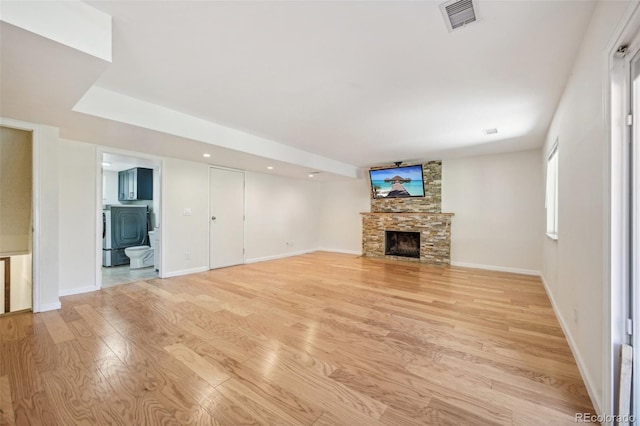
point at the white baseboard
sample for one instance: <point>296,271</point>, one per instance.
<point>497,268</point>
<point>185,272</point>
<point>586,377</point>
<point>332,250</point>
<point>278,256</point>
<point>77,290</point>
<point>44,307</point>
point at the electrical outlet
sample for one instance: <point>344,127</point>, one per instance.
<point>187,256</point>
<point>575,315</point>
<point>186,212</point>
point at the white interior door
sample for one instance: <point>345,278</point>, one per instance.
<point>226,209</point>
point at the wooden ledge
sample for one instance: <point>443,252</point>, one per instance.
<point>408,213</point>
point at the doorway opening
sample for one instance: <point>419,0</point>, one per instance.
<point>16,220</point>
<point>130,219</point>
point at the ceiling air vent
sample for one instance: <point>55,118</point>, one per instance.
<point>458,13</point>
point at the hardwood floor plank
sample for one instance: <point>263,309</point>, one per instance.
<point>35,411</point>
<point>97,323</point>
<point>73,393</point>
<point>261,408</point>
<point>209,372</point>
<point>7,416</point>
<point>311,386</point>
<point>57,327</point>
<point>225,412</point>
<point>19,365</point>
<point>317,339</point>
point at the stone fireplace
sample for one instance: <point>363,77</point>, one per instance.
<point>410,229</point>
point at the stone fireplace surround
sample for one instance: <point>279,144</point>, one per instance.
<point>411,215</point>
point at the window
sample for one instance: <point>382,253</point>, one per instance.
<point>551,202</point>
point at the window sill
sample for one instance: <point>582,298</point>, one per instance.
<point>554,237</point>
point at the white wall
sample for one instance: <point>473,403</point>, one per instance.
<point>498,204</point>
<point>282,216</point>
<point>573,266</point>
<point>340,221</point>
<point>46,217</point>
<point>186,185</point>
<point>77,216</point>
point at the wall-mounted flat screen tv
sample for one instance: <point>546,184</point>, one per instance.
<point>397,182</point>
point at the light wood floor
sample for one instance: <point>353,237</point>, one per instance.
<point>319,339</point>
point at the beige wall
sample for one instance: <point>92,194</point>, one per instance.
<point>16,173</point>
<point>21,282</point>
<point>21,279</point>
<point>498,204</point>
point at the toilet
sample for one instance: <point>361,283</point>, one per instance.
<point>141,256</point>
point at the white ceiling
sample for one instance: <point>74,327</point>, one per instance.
<point>359,82</point>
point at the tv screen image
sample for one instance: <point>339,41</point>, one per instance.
<point>397,182</point>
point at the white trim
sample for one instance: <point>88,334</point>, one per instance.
<point>333,250</point>
<point>186,272</point>
<point>552,236</point>
<point>157,168</point>
<point>78,290</point>
<point>278,256</point>
<point>615,224</point>
<point>497,268</point>
<point>99,190</point>
<point>49,307</point>
<point>553,149</point>
<point>584,371</point>
<point>36,282</point>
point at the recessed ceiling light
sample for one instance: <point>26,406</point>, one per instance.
<point>491,131</point>
<point>270,167</point>
<point>106,163</point>
<point>311,175</point>
<point>206,155</point>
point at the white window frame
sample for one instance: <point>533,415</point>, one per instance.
<point>551,193</point>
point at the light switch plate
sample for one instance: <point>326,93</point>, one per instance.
<point>186,212</point>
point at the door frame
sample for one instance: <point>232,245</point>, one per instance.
<point>36,242</point>
<point>100,150</point>
<point>617,226</point>
<point>244,212</point>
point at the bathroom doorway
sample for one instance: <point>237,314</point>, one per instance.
<point>129,219</point>
<point>16,220</point>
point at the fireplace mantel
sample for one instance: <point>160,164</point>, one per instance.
<point>434,228</point>
<point>406,213</point>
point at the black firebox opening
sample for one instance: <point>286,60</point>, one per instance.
<point>406,244</point>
